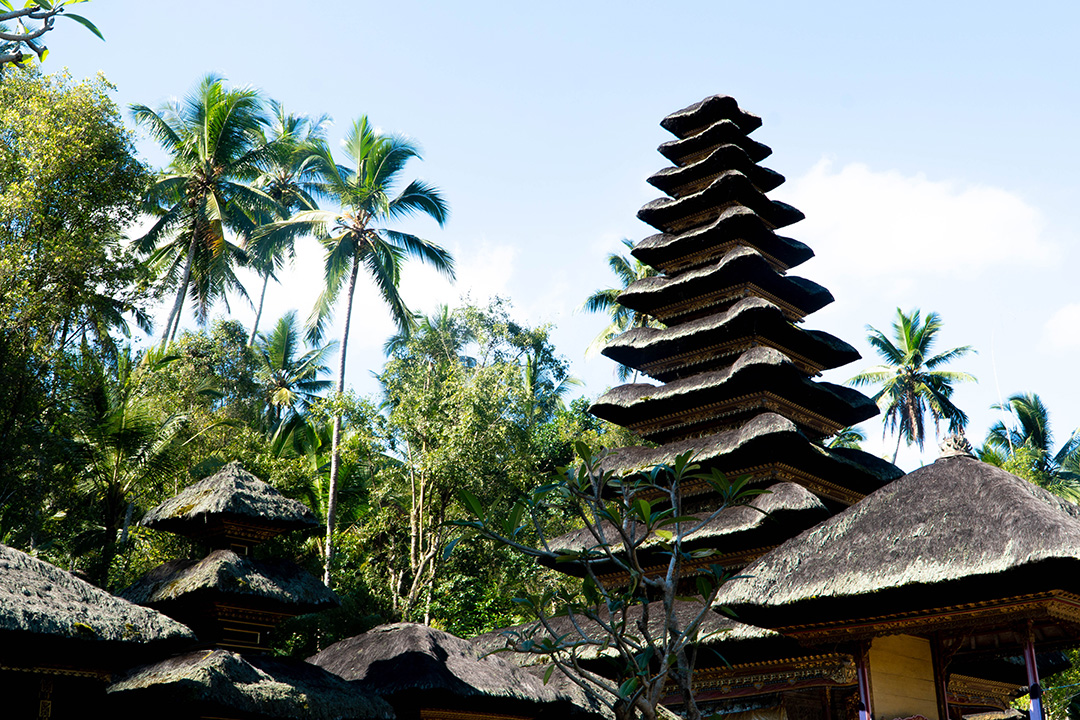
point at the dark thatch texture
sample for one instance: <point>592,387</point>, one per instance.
<point>695,148</point>
<point>231,494</point>
<point>762,447</point>
<point>716,340</point>
<point>406,658</point>
<point>726,640</point>
<point>676,215</point>
<point>224,684</point>
<point>761,379</point>
<point>225,576</point>
<point>713,288</point>
<point>735,225</point>
<point>957,531</point>
<point>689,179</point>
<point>692,118</point>
<point>39,601</point>
<point>766,519</point>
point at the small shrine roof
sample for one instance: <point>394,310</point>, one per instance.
<point>713,288</point>
<point>767,447</point>
<point>224,575</point>
<point>761,378</point>
<point>222,683</point>
<point>676,215</point>
<point>705,112</point>
<point>688,179</point>
<point>40,601</point>
<point>231,493</point>
<point>407,661</point>
<point>735,226</point>
<point>713,341</point>
<point>955,532</point>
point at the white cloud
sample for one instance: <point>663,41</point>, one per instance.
<point>887,225</point>
<point>1062,330</point>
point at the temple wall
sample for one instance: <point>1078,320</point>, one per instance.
<point>902,678</point>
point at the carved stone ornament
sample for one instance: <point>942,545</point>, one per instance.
<point>956,445</point>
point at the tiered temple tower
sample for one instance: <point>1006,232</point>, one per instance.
<point>736,370</point>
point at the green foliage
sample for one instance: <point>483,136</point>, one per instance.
<point>631,621</point>
<point>32,21</point>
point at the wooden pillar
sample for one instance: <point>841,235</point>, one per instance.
<point>862,652</point>
<point>941,675</point>
<point>1034,688</point>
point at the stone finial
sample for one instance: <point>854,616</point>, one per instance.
<point>955,445</point>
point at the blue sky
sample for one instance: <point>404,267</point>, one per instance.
<point>932,147</point>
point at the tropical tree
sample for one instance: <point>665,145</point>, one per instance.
<point>353,239</point>
<point>291,381</point>
<point>215,138</point>
<point>1026,448</point>
<point>912,380</point>
<point>628,270</point>
<point>289,175</point>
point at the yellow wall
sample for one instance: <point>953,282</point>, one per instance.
<point>902,678</point>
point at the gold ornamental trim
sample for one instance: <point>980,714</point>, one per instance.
<point>724,296</point>
<point>729,348</point>
<point>438,714</point>
<point>64,672</point>
<point>785,674</point>
<point>768,472</point>
<point>716,412</point>
<point>1055,605</point>
<point>968,690</point>
<point>729,561</point>
<point>701,258</point>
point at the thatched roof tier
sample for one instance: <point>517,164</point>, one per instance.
<point>697,147</point>
<point>223,576</point>
<point>957,544</point>
<point>45,608</point>
<point>767,448</point>
<point>418,666</point>
<point>735,226</point>
<point>692,178</point>
<point>731,187</point>
<point>731,642</point>
<point>219,683</point>
<point>715,341</point>
<point>230,506</point>
<point>761,379</point>
<point>738,534</point>
<point>742,272</point>
<point>693,118</point>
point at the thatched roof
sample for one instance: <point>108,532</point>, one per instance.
<point>688,179</point>
<point>41,602</point>
<point>222,683</point>
<point>764,447</point>
<point>735,225</point>
<point>411,658</point>
<point>231,495</point>
<point>692,118</point>
<point>957,531</point>
<point>707,290</point>
<point>675,215</point>
<point>725,638</point>
<point>697,147</point>
<point>768,517</point>
<point>713,341</point>
<point>760,379</point>
<point>224,575</point>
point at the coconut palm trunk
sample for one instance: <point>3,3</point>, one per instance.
<point>335,440</point>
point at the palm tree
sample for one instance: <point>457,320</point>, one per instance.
<point>290,382</point>
<point>290,176</point>
<point>1026,448</point>
<point>628,270</point>
<point>215,139</point>
<point>353,239</point>
<point>912,381</point>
